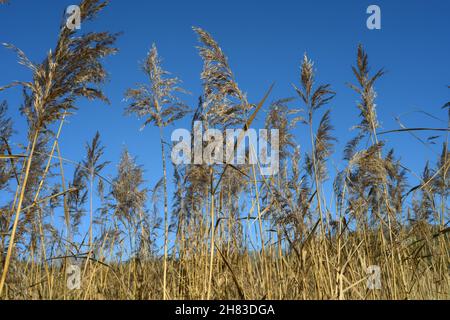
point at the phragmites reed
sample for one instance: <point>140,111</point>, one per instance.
<point>72,70</point>
<point>158,103</point>
<point>224,103</point>
<point>215,230</point>
<point>369,122</point>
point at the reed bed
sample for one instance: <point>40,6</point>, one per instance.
<point>227,231</point>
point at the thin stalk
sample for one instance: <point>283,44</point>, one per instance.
<point>18,209</point>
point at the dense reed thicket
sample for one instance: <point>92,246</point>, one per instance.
<point>227,231</point>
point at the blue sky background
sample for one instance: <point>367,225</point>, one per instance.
<point>264,41</point>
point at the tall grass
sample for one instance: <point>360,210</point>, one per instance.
<point>231,232</point>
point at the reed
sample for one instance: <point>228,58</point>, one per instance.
<point>228,231</point>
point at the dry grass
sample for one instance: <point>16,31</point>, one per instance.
<point>231,233</point>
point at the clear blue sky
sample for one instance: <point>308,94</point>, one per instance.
<point>264,41</point>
